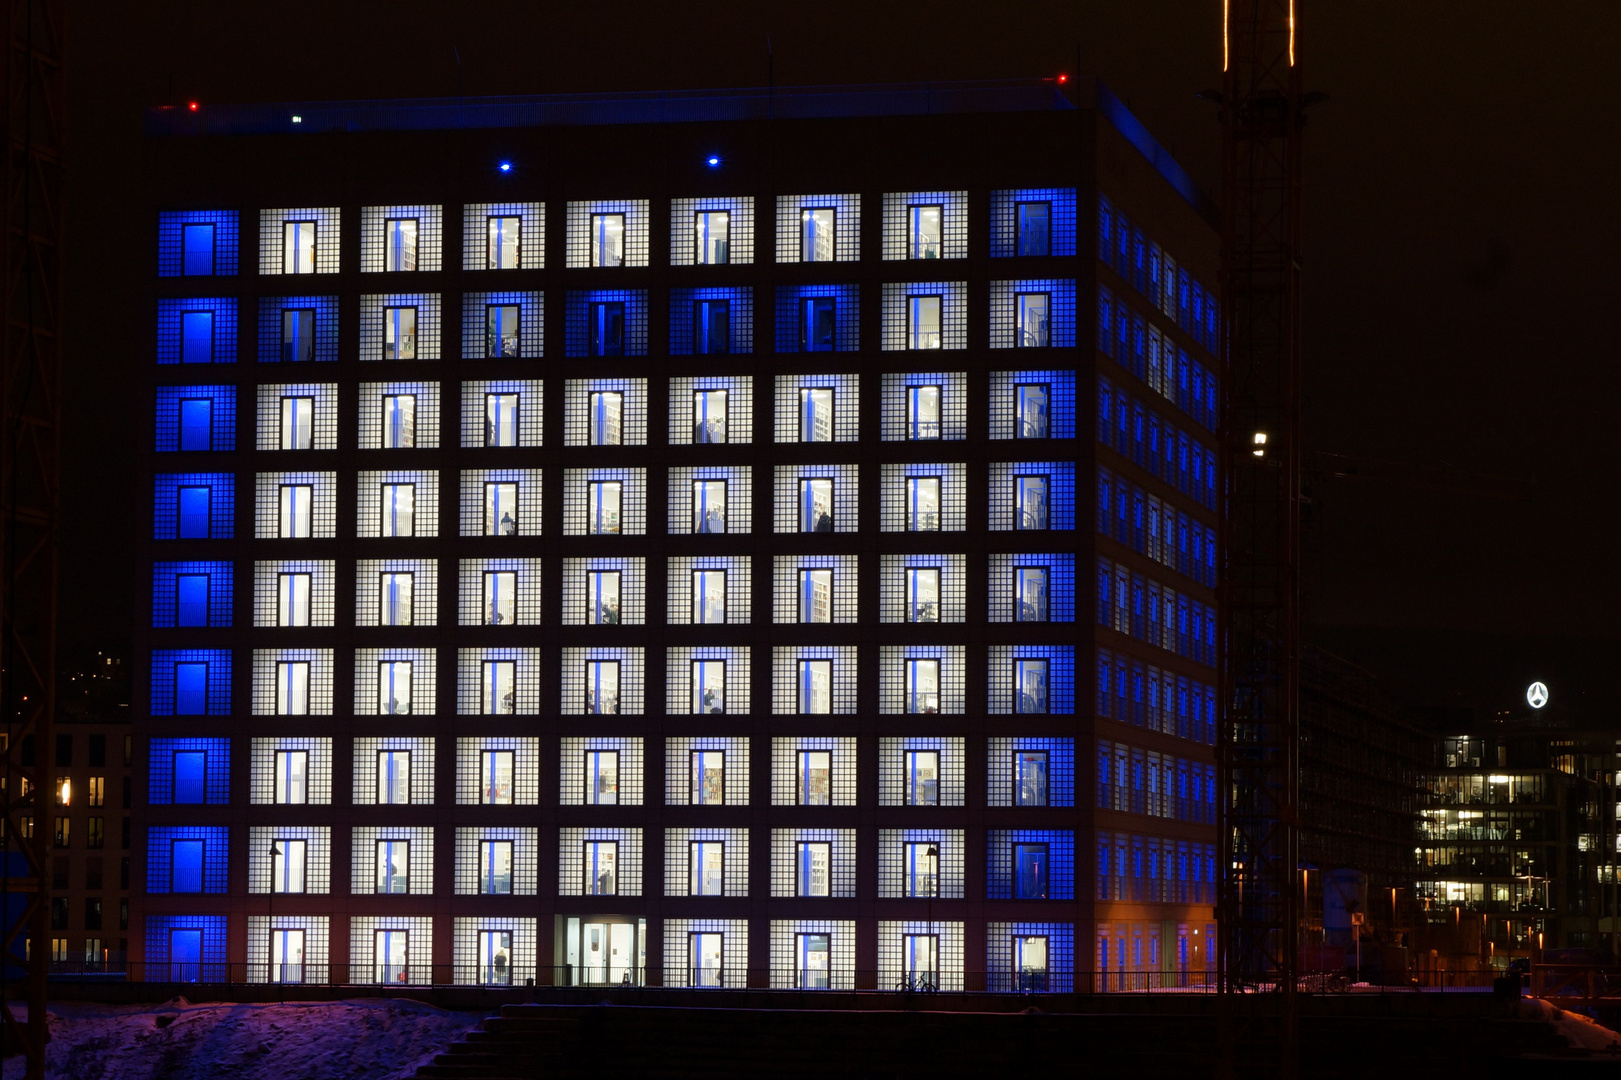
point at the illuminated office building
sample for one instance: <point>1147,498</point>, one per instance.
<point>693,539</point>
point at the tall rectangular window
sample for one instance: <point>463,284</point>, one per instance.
<point>813,970</point>
<point>1030,595</point>
<point>193,505</point>
<point>1030,686</point>
<point>816,687</point>
<point>602,777</point>
<point>602,687</point>
<point>400,244</point>
<point>607,239</point>
<point>391,950</point>
<point>816,414</point>
<point>709,596</point>
<point>601,868</point>
<point>292,778</point>
<point>922,777</point>
<point>1030,870</point>
<point>816,234</point>
<point>712,327</point>
<point>500,419</point>
<point>712,234</point>
<point>495,776</point>
<point>607,418</point>
<point>196,424</point>
<point>708,778</point>
<point>814,778</point>
<point>394,688</point>
<point>394,777</point>
<point>503,239</point>
<point>399,333</point>
<point>705,960</point>
<point>1030,962</point>
<point>816,596</point>
<point>923,231</point>
<point>921,860</point>
<point>286,956</point>
<point>816,505</point>
<point>498,687</point>
<point>1035,228</point>
<point>1030,313</point>
<point>293,688</point>
<point>922,412</point>
<point>708,417</point>
<point>923,322</point>
<point>399,509</point>
<point>709,506</point>
<point>190,777</point>
<point>602,597</point>
<point>923,594</point>
<point>608,328</point>
<point>394,866</point>
<point>196,337</point>
<point>297,335</point>
<point>922,504</point>
<point>399,421</point>
<point>298,247</point>
<point>197,250</point>
<point>495,867</point>
<point>1030,410</point>
<point>1030,502</point>
<point>813,867</point>
<point>500,597</point>
<point>395,594</point>
<point>922,686</point>
<point>495,957</point>
<point>191,688</point>
<point>708,685</point>
<point>1029,778</point>
<point>500,509</point>
<point>920,958</point>
<point>602,507</point>
<point>293,517</point>
<point>287,864</point>
<point>706,868</point>
<point>191,599</point>
<point>297,419</point>
<point>186,866</point>
<point>501,330</point>
<point>293,599</point>
<point>818,324</point>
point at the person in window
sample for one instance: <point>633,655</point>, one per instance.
<point>824,520</point>
<point>710,705</point>
<point>605,882</point>
<point>508,526</point>
<point>501,966</point>
<point>509,702</point>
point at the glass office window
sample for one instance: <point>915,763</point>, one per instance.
<point>391,955</point>
<point>1030,312</point>
<point>922,686</point>
<point>1029,778</point>
<point>394,688</point>
<point>293,599</point>
<point>923,322</point>
<point>712,232</point>
<point>292,777</point>
<point>1030,686</point>
<point>298,247</point>
<point>816,686</point>
<point>293,688</point>
<point>602,597</point>
<point>190,773</point>
<point>923,594</point>
<point>297,335</point>
<point>191,599</point>
<point>923,412</point>
<point>394,777</point>
<point>607,418</point>
<point>287,865</point>
<point>704,960</point>
<point>706,863</point>
<point>1030,593</point>
<point>293,518</point>
<point>196,424</point>
<point>708,686</point>
<point>816,596</point>
<point>922,777</point>
<point>814,778</point>
<point>495,867</point>
<point>712,327</point>
<point>709,417</point>
<point>1030,870</point>
<point>923,504</point>
<point>191,688</point>
<point>193,511</point>
<point>607,328</point>
<point>400,244</point>
<point>813,866</point>
<point>607,239</point>
<point>500,509</point>
<point>1030,961</point>
<point>500,597</point>
<point>921,863</point>
<point>708,778</point>
<point>399,509</point>
<point>1035,228</point>
<point>923,231</point>
<point>1030,410</point>
<point>602,777</point>
<point>709,596</point>
<point>818,324</point>
<point>497,687</point>
<point>816,505</point>
<point>395,594</point>
<point>186,866</point>
<point>709,506</point>
<point>602,687</point>
<point>399,421</point>
<point>500,419</point>
<point>197,250</point>
<point>816,234</point>
<point>1030,502</point>
<point>920,956</point>
<point>196,337</point>
<point>501,330</point>
<point>812,951</point>
<point>495,957</point>
<point>816,414</point>
<point>399,333</point>
<point>603,499</point>
<point>601,868</point>
<point>393,866</point>
<point>286,956</point>
<point>503,242</point>
<point>495,776</point>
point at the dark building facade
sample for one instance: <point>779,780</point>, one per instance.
<point>695,540</point>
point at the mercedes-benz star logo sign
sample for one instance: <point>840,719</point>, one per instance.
<point>1537,695</point>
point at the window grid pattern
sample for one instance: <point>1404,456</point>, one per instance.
<point>571,859</point>
<point>531,237</point>
<point>999,778</point>
<point>1004,214</point>
<point>172,240</point>
<point>526,607</point>
<point>577,319</point>
<point>846,405</point>
<point>1004,320</point>
<point>573,782</point>
<point>734,945</point>
<point>1153,527</point>
<point>525,858</point>
<point>165,591</point>
<point>222,416</point>
<point>373,322</point>
<point>953,313</point>
<point>892,768</point>
<point>846,315</point>
<point>419,858</point>
<point>892,952</point>
<point>529,504</point>
<point>1060,493</point>
<point>841,883</point>
<point>1060,676</point>
<point>632,589</point>
<point>1002,417</point>
<point>531,410</point>
<point>577,500</point>
<point>1174,290</point>
<point>678,752</point>
<point>369,502</point>
<point>327,246</point>
<point>739,407</point>
<point>323,503</point>
<point>578,225</point>
<point>160,856</point>
<point>787,598</point>
<point>892,600</point>
<point>846,500</point>
<point>785,677</point>
<point>738,516</point>
<point>317,945</point>
<point>785,768</point>
<point>739,319</point>
<point>323,433</point>
<point>895,501</point>
<point>1002,975</point>
<point>159,929</point>
<point>1060,585</point>
<point>841,944</point>
<point>1133,780</point>
<point>846,225</point>
<point>320,679</point>
<point>425,423</point>
<point>999,871</point>
<point>317,856</point>
<point>422,663</point>
<point>525,680</point>
<point>170,346</point>
<point>577,410</point>
<point>374,237</point>
<point>1154,869</point>
<point>422,770</point>
<point>216,769</point>
<point>953,222</point>
<point>166,503</point>
<point>892,689</point>
<point>1145,696</point>
<point>678,678</point>
<point>1139,433</point>
<point>1138,606</point>
<point>162,682</point>
<point>262,769</point>
<point>475,322</point>
<point>266,577</point>
<point>892,861</point>
<point>953,404</point>
<point>465,945</point>
<point>363,929</point>
<point>734,855</point>
<point>739,228</point>
<point>325,345</point>
<point>525,768</point>
<point>631,674</point>
<point>739,581</point>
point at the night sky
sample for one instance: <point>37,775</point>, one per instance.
<point>1460,286</point>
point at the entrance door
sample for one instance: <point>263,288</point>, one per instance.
<point>495,957</point>
<point>621,945</point>
<point>594,957</point>
<point>185,955</point>
<point>704,955</point>
<point>287,956</point>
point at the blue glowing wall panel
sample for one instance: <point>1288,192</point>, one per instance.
<point>1004,693</point>
<point>197,331</point>
<point>191,682</point>
<point>792,315</point>
<point>1002,970</point>
<point>170,940</point>
<point>191,594</point>
<point>1005,223</point>
<point>687,336</point>
<point>1146,696</point>
<point>188,772</point>
<point>178,258</point>
<point>1000,869</point>
<point>193,506</point>
<point>1005,331</point>
<point>169,865</point>
<point>190,427</point>
<point>1003,421</point>
<point>281,338</point>
<point>578,317</point>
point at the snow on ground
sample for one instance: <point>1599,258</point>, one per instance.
<point>363,1039</point>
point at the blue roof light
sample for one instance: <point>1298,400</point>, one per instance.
<point>505,166</point>
<point>713,161</point>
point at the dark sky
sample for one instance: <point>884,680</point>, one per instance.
<point>1461,228</point>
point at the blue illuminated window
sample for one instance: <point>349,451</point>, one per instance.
<point>608,322</point>
<point>1033,222</point>
<point>191,599</point>
<point>711,327</point>
<point>196,423</point>
<point>194,510</point>
<point>1031,867</point>
<point>190,777</point>
<point>197,243</point>
<point>298,329</point>
<point>501,335</point>
<point>190,771</point>
<point>1030,685</point>
<point>186,866</point>
<point>817,318</point>
<point>818,324</point>
<point>191,594</point>
<point>608,328</point>
<point>191,688</point>
<point>195,418</point>
<point>1035,228</point>
<point>190,682</point>
<point>197,246</point>
<point>196,331</point>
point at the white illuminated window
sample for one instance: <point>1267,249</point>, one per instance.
<point>921,864</point>
<point>607,239</point>
<point>1030,686</point>
<point>394,777</point>
<point>712,231</point>
<point>293,515</point>
<point>601,867</point>
<point>1030,593</point>
<point>816,505</point>
<point>293,599</point>
<point>399,509</point>
<point>816,686</point>
<point>1029,778</point>
<point>709,596</point>
<point>297,420</point>
<point>1030,312</point>
<point>816,234</point>
<point>922,412</point>
<point>500,597</point>
<point>705,964</point>
<point>501,333</point>
<point>399,421</point>
<point>709,417</point>
<point>923,231</point>
<point>495,777</point>
<point>814,778</point>
<point>816,596</point>
<point>394,866</point>
<point>602,597</point>
<point>923,594</point>
<point>816,414</point>
<point>500,419</point>
<point>602,777</point>
<point>298,247</point>
<point>1030,504</point>
<point>495,867</point>
<point>287,865</point>
<point>922,686</point>
<point>709,506</point>
<point>293,688</point>
<point>813,866</point>
<point>708,778</point>
<point>400,240</point>
<point>922,777</point>
<point>607,418</point>
<point>503,238</point>
<point>923,322</point>
<point>497,687</point>
<point>395,595</point>
<point>708,686</point>
<point>603,507</point>
<point>706,865</point>
<point>292,777</point>
<point>1030,410</point>
<point>923,504</point>
<point>394,688</point>
<point>500,509</point>
<point>399,333</point>
<point>602,687</point>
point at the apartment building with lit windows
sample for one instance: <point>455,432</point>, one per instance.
<point>706,540</point>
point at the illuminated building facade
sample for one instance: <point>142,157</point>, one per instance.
<point>692,540</point>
